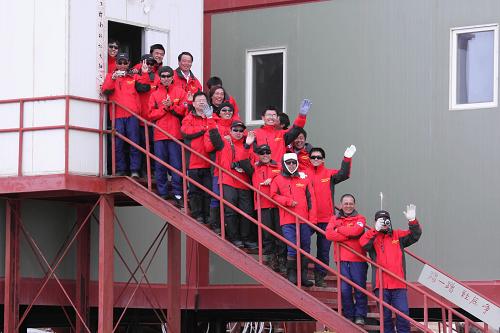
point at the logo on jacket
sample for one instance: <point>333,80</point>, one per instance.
<point>360,224</point>
<point>325,180</point>
<point>276,170</point>
<point>130,81</point>
<point>304,157</point>
<point>300,185</point>
<point>277,139</point>
<point>395,241</point>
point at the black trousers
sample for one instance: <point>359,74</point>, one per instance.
<point>270,217</point>
<point>199,199</point>
<point>238,227</point>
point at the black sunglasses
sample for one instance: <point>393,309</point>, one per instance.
<point>226,110</point>
<point>289,162</point>
<point>151,62</point>
<point>238,130</point>
<point>115,47</point>
<point>166,76</point>
<point>265,152</point>
<point>122,62</point>
<point>316,157</point>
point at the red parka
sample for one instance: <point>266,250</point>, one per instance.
<point>168,119</point>
<point>261,172</point>
<point>193,128</point>
<point>286,188</point>
<point>154,82</point>
<point>278,139</point>
<point>111,64</point>
<point>347,229</point>
<point>125,91</point>
<point>387,251</point>
<point>227,154</point>
<point>324,181</point>
<point>192,85</point>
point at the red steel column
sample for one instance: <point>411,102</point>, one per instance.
<point>83,268</point>
<point>174,280</point>
<point>106,243</point>
<point>197,264</point>
<point>12,275</point>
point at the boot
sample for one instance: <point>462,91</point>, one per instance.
<point>291,271</point>
<point>282,264</point>
<point>274,264</point>
<point>303,273</point>
<point>319,279</point>
<point>215,219</point>
<point>268,260</point>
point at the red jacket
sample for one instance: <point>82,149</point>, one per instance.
<point>347,230</point>
<point>278,139</point>
<point>111,64</point>
<point>387,251</point>
<point>179,81</point>
<point>287,188</point>
<point>193,129</point>
<point>154,82</point>
<point>125,90</point>
<point>260,173</point>
<point>168,120</point>
<point>324,181</point>
<point>227,154</point>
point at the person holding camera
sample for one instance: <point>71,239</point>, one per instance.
<point>232,154</point>
<point>293,189</point>
<point>386,247</point>
<point>123,87</point>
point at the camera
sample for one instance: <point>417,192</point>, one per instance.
<point>386,222</point>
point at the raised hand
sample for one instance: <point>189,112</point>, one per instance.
<point>411,212</point>
<point>304,107</point>
<point>350,151</point>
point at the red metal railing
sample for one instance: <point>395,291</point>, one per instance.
<point>220,171</point>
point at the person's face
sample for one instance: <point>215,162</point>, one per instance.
<point>291,165</point>
<point>270,117</point>
<point>113,49</point>
<point>226,113</point>
<point>122,64</point>
<point>348,205</point>
<point>158,54</point>
<point>199,103</point>
<point>265,156</point>
<point>185,63</point>
<point>316,158</point>
<point>299,142</point>
<point>277,123</point>
<point>218,97</point>
<point>166,78</point>
<point>237,132</point>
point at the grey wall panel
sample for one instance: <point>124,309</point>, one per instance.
<point>378,75</point>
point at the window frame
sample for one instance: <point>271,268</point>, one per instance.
<point>454,32</point>
<point>249,80</point>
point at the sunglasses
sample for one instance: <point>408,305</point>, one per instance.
<point>316,157</point>
<point>238,130</point>
<point>226,110</point>
<point>122,62</point>
<point>290,162</point>
<point>265,152</point>
<point>166,76</point>
<point>114,47</point>
<point>151,63</point>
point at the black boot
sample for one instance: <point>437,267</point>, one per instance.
<point>319,279</point>
<point>215,219</point>
<point>282,264</point>
<point>291,270</point>
<point>303,273</point>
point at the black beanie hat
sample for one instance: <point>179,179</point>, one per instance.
<point>382,213</point>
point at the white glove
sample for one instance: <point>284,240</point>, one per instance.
<point>350,151</point>
<point>411,212</point>
<point>304,107</point>
<point>302,175</point>
<point>208,111</point>
<point>379,224</point>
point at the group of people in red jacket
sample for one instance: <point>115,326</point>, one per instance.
<point>273,158</point>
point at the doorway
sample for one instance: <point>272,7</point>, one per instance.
<point>130,38</point>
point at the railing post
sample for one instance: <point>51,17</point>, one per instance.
<point>83,269</point>
<point>184,180</point>
<point>221,205</point>
<point>259,226</point>
<point>339,280</point>
<point>66,135</point>
<point>426,312</point>
<point>113,138</point>
<point>101,141</point>
<point>148,160</point>
<point>174,279</point>
<point>297,243</point>
<point>381,298</point>
<point>21,139</point>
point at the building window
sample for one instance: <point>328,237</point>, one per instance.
<point>265,82</point>
<point>474,67</point>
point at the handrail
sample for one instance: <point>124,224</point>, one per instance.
<point>220,197</point>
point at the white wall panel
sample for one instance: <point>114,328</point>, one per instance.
<point>83,153</point>
<point>44,113</point>
<point>85,114</point>
<point>43,152</point>
<point>9,113</point>
<point>10,152</point>
<point>116,9</point>
<point>50,47</point>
